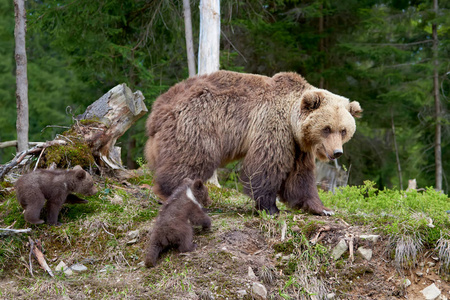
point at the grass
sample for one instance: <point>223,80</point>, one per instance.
<point>95,234</point>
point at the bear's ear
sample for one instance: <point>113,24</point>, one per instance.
<point>77,167</point>
<point>198,184</point>
<point>355,109</point>
<point>80,174</point>
<point>311,100</point>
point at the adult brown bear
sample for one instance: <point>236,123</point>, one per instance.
<point>277,125</point>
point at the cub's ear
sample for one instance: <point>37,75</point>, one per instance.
<point>355,109</point>
<point>311,100</point>
<point>80,174</point>
<point>77,167</point>
<point>198,184</point>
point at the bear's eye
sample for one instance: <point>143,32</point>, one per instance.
<point>326,130</point>
<point>344,132</point>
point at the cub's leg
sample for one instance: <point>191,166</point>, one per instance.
<point>53,209</point>
<point>33,208</point>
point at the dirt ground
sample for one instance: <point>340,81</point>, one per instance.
<point>241,248</point>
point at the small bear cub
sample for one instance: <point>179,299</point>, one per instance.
<point>173,226</point>
<point>56,186</point>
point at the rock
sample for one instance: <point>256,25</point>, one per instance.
<point>365,253</point>
<point>116,199</point>
<point>331,296</point>
<point>68,272</point>
<point>431,292</point>
<point>406,282</point>
<point>370,237</point>
<point>251,274</point>
<point>259,291</point>
<point>431,264</point>
<point>420,274</point>
<point>241,293</point>
<point>78,268</point>
<point>340,248</point>
<point>61,267</point>
<point>133,234</point>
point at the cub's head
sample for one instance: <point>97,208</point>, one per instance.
<point>197,191</point>
<point>323,122</point>
<point>84,184</point>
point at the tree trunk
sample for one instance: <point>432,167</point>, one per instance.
<point>209,44</point>
<point>189,39</point>
<point>399,167</point>
<point>109,118</point>
<point>21,76</point>
<point>437,104</point>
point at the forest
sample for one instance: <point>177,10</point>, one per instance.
<point>381,53</point>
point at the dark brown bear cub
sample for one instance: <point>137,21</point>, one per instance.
<point>54,185</point>
<point>179,213</point>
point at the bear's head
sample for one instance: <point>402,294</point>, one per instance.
<point>84,184</point>
<point>323,122</point>
<point>199,191</point>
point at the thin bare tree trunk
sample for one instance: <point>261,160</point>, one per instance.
<point>399,167</point>
<point>209,43</point>
<point>189,38</point>
<point>437,105</point>
<point>321,46</point>
<point>21,76</point>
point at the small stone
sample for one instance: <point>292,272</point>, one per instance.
<point>340,248</point>
<point>116,199</point>
<point>78,268</point>
<point>133,234</point>
<point>431,292</point>
<point>241,293</point>
<point>431,264</point>
<point>331,295</point>
<point>68,272</point>
<point>141,264</point>
<point>420,274</point>
<point>61,267</point>
<point>278,255</point>
<point>251,274</point>
<point>286,257</point>
<point>370,237</point>
<point>365,253</point>
<point>259,291</point>
<point>406,282</point>
<point>133,241</point>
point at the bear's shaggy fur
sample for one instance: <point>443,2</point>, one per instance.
<point>278,125</point>
<point>173,225</point>
<point>56,186</point>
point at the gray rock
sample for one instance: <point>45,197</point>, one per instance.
<point>431,292</point>
<point>251,274</point>
<point>133,234</point>
<point>406,282</point>
<point>370,237</point>
<point>78,268</point>
<point>331,296</point>
<point>365,253</point>
<point>340,249</point>
<point>241,293</point>
<point>259,291</point>
<point>61,267</point>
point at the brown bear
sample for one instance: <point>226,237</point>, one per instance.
<point>56,186</point>
<point>277,125</point>
<point>176,217</point>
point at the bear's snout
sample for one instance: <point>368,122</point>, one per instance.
<point>337,153</point>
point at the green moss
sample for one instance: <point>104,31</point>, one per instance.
<point>76,152</point>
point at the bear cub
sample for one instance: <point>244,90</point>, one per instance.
<point>176,217</point>
<point>55,186</point>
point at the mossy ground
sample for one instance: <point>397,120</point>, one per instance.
<point>97,235</point>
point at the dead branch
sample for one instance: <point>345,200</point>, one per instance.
<point>40,257</point>
<point>7,231</point>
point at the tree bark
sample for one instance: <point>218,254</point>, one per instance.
<point>189,38</point>
<point>21,76</point>
<point>399,167</point>
<point>109,118</point>
<point>437,104</point>
<point>209,44</point>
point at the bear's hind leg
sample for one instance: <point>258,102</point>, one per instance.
<point>53,209</point>
<point>33,209</point>
<point>186,236</point>
<point>152,253</point>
